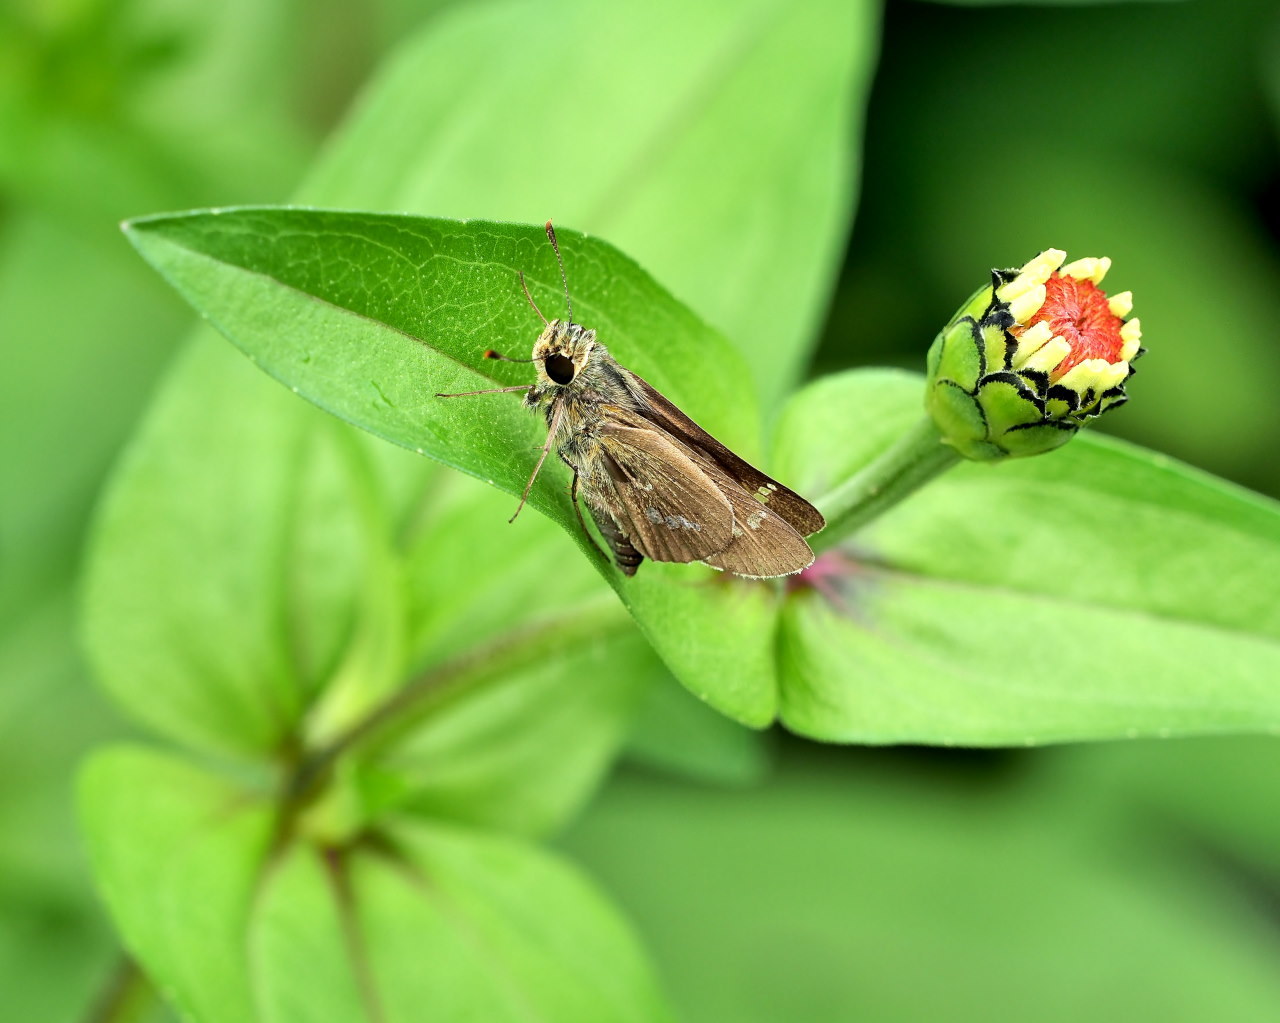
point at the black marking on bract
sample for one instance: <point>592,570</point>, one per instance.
<point>998,315</point>
<point>1056,424</point>
<point>1020,385</point>
<point>1037,378</point>
<point>1066,395</point>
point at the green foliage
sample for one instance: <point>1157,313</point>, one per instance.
<point>236,926</point>
<point>379,695</point>
<point>282,631</point>
<point>706,151</point>
<point>1081,594</point>
<point>887,886</point>
<point>1118,548</point>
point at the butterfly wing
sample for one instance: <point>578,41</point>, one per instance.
<point>661,501</point>
<point>803,517</point>
<point>764,544</point>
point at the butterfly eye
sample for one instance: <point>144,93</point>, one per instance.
<point>560,368</point>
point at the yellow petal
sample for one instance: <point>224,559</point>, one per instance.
<point>1090,268</point>
<point>1035,272</point>
<point>1027,305</point>
<point>1121,305</point>
<point>1118,373</point>
<point>1031,341</point>
<point>1131,335</point>
<point>1090,374</point>
<point>1046,359</point>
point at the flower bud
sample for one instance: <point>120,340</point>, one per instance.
<point>1031,358</point>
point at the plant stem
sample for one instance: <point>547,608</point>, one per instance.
<point>912,461</point>
<point>486,661</point>
<point>123,995</point>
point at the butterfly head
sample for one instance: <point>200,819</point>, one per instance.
<point>562,351</point>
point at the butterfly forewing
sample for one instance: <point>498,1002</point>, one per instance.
<point>669,509</point>
<point>802,516</point>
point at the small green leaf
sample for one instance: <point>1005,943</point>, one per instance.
<point>178,853</point>
<point>528,738</point>
<point>1098,592</point>
<point>261,597</point>
<point>370,315</point>
<point>231,928</point>
<point>228,560</point>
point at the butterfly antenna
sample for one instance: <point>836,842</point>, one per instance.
<point>530,298</point>
<point>551,235</point>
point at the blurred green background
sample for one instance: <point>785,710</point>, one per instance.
<point>776,882</point>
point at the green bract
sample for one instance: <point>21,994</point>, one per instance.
<point>1030,358</point>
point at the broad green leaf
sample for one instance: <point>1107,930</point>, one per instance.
<point>371,315</point>
<point>867,885</point>
<point>1098,592</point>
<point>218,590</point>
<point>415,918</point>
<point>527,734</point>
<point>275,587</point>
<point>178,855</point>
<point>719,152</point>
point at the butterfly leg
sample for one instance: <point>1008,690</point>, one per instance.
<point>552,429</point>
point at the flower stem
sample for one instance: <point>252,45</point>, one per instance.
<point>912,461</point>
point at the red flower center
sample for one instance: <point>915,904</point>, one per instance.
<point>1077,311</point>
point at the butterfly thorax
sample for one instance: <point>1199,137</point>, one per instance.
<point>576,376</point>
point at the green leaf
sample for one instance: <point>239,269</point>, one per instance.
<point>1098,592</point>
<point>376,344</point>
<point>732,183</point>
<point>263,596</point>
<point>232,928</point>
<point>528,734</point>
<point>177,853</point>
<point>918,886</point>
<point>370,315</point>
<point>223,573</point>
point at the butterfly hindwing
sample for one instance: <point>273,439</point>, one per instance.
<point>666,506</point>
<point>764,544</point>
